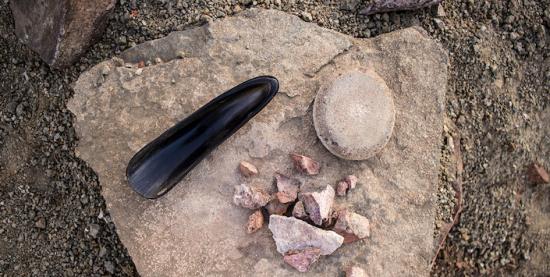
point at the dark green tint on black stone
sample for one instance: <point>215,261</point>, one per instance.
<point>161,164</point>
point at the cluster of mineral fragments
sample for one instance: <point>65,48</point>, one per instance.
<point>305,224</point>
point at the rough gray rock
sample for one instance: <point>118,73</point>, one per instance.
<point>115,115</point>
<point>292,234</point>
<point>379,6</point>
<point>354,114</point>
<point>60,31</point>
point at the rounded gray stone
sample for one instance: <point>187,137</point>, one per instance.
<point>354,114</point>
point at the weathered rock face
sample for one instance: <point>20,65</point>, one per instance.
<point>60,31</point>
<point>118,113</point>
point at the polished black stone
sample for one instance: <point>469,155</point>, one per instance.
<point>161,164</point>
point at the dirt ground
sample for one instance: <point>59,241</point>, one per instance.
<point>53,219</point>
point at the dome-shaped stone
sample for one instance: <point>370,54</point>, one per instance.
<point>354,115</point>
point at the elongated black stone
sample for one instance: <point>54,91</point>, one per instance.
<point>161,164</point>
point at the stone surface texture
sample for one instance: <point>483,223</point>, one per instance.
<point>117,114</point>
<point>60,31</point>
<point>292,234</point>
<point>354,114</point>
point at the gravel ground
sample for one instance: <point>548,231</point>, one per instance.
<point>54,221</point>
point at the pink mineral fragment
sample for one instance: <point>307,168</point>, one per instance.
<point>302,260</point>
<point>305,164</point>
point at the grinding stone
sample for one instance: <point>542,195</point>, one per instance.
<point>354,115</point>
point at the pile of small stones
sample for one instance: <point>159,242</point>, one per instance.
<point>305,224</point>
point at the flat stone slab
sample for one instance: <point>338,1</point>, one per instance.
<point>195,229</point>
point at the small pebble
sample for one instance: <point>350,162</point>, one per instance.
<point>441,11</point>
<point>351,180</point>
<point>352,226</point>
<point>93,230</point>
<point>118,61</point>
<point>305,164</point>
<point>255,222</point>
<point>40,223</point>
<point>247,169</point>
<point>250,197</point>
<point>306,17</point>
<point>109,267</point>
<point>342,188</point>
<point>180,54</point>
